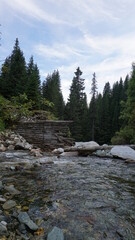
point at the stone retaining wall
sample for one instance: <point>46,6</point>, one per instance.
<point>46,134</point>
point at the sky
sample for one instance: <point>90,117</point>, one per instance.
<point>96,35</point>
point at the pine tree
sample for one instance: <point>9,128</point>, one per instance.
<point>76,108</point>
<point>106,114</point>
<point>99,122</point>
<point>126,135</point>
<point>51,90</point>
<point>92,108</point>
<point>5,78</point>
<point>33,87</point>
<point>17,71</point>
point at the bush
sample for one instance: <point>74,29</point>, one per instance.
<point>2,125</point>
<point>125,136</point>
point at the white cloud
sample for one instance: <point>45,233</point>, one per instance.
<point>31,9</point>
<point>59,51</point>
<point>96,35</point>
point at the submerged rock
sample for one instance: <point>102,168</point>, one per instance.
<point>9,204</point>
<point>3,229</point>
<point>69,154</point>
<point>1,185</point>
<point>56,234</point>
<point>12,190</point>
<point>23,217</point>
<point>123,152</point>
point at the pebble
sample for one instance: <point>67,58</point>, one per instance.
<point>2,200</point>
<point>9,204</point>
<point>23,217</point>
<point>4,223</point>
<point>3,229</point>
<point>12,190</point>
<point>1,185</point>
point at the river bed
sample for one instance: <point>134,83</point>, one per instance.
<point>89,198</point>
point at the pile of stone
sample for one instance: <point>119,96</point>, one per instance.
<point>10,140</point>
<point>126,153</point>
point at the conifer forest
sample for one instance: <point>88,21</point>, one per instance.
<point>108,118</point>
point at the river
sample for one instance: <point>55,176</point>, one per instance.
<point>89,198</point>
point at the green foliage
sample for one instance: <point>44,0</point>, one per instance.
<point>12,110</point>
<point>2,125</point>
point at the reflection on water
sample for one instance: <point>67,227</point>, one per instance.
<point>89,198</point>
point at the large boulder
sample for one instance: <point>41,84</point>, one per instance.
<point>87,145</point>
<point>123,152</point>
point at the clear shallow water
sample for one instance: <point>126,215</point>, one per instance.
<point>89,198</point>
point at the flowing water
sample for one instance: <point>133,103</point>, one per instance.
<point>89,198</point>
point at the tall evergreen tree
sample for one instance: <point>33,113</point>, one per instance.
<point>76,108</point>
<point>5,78</point>
<point>51,90</point>
<point>33,87</point>
<point>99,122</point>
<point>127,131</point>
<point>106,113</point>
<point>17,73</point>
<point>92,108</point>
<point>13,74</point>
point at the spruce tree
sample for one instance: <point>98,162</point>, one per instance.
<point>17,72</point>
<point>33,87</point>
<point>51,90</point>
<point>76,108</point>
<point>92,108</point>
<point>126,135</point>
<point>106,114</point>
<point>5,78</point>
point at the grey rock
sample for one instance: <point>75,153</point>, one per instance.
<point>2,200</point>
<point>12,190</point>
<point>1,185</point>
<point>20,146</point>
<point>87,145</point>
<point>69,154</point>
<point>3,229</point>
<point>4,223</point>
<point>9,204</point>
<point>10,147</point>
<point>55,234</point>
<point>27,146</point>
<point>23,217</point>
<point>2,148</point>
<point>12,168</point>
<point>58,150</point>
<point>123,152</point>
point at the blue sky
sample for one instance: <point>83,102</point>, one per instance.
<point>96,35</point>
